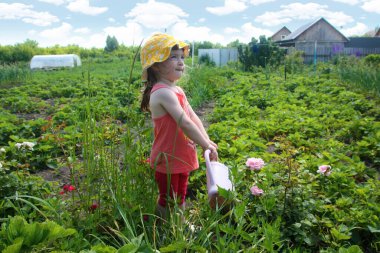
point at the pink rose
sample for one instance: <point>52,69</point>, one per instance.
<point>256,191</point>
<point>324,170</point>
<point>255,163</point>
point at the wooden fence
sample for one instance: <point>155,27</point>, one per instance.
<point>327,53</point>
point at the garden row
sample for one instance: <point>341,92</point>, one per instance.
<point>320,142</point>
<point>87,122</point>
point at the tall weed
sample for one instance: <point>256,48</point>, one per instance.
<point>359,74</point>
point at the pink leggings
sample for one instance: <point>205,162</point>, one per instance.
<point>178,187</point>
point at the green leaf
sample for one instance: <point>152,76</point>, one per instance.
<point>181,245</point>
<point>34,234</point>
<point>15,247</point>
<point>137,240</point>
<point>128,248</point>
<point>16,225</point>
<point>338,235</point>
<point>103,248</point>
<point>239,210</point>
<point>352,249</point>
<point>373,230</point>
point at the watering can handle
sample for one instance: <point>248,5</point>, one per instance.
<point>207,158</point>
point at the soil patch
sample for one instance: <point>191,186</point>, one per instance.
<point>60,175</point>
<point>203,113</point>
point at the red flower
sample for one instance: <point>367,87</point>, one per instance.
<point>67,188</point>
<point>71,188</point>
<point>145,217</point>
<point>94,206</point>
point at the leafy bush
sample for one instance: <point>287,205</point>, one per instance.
<point>373,60</point>
<point>294,62</point>
<point>19,236</point>
<point>206,60</point>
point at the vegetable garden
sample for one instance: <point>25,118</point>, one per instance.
<point>82,129</point>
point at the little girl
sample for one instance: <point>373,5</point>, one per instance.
<point>176,127</point>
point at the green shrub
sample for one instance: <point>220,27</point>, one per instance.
<point>373,60</point>
<point>19,236</point>
<point>206,60</point>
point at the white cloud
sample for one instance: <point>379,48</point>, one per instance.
<point>83,30</point>
<point>201,20</point>
<point>358,29</point>
<point>18,11</point>
<point>156,15</point>
<point>230,6</point>
<point>258,2</point>
<point>83,6</point>
<point>248,30</point>
<point>55,2</point>
<point>130,34</point>
<point>299,11</point>
<point>184,31</point>
<point>61,31</point>
<point>350,2</point>
<point>112,20</point>
<point>230,30</point>
<point>32,32</point>
<point>371,6</point>
<point>65,35</point>
<point>244,34</point>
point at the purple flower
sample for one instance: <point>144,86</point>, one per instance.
<point>358,53</point>
<point>255,163</point>
<point>337,48</point>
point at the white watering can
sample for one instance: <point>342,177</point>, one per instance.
<point>217,175</point>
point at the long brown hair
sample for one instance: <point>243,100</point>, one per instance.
<point>152,80</point>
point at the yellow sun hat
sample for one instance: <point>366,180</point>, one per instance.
<point>157,49</point>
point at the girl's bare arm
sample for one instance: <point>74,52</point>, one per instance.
<point>169,101</point>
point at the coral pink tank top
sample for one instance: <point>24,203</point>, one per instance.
<point>172,152</point>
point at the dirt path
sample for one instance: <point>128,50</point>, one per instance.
<point>203,113</point>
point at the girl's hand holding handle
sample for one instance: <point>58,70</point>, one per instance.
<point>214,153</point>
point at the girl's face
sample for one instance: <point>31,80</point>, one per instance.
<point>172,68</point>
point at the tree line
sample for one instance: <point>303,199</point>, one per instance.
<point>256,53</point>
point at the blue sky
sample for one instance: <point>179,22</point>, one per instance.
<point>88,22</point>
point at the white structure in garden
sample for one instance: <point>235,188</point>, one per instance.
<point>55,61</point>
<point>221,56</point>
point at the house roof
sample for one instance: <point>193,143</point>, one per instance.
<point>377,32</point>
<point>284,28</point>
<point>294,35</point>
<point>363,42</point>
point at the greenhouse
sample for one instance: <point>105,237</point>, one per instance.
<point>55,61</point>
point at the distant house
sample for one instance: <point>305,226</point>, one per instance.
<point>377,34</point>
<point>280,34</point>
<point>362,46</point>
<point>316,39</point>
<point>373,33</point>
<point>320,41</point>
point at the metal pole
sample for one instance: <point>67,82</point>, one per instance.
<point>192,56</point>
<point>315,55</point>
